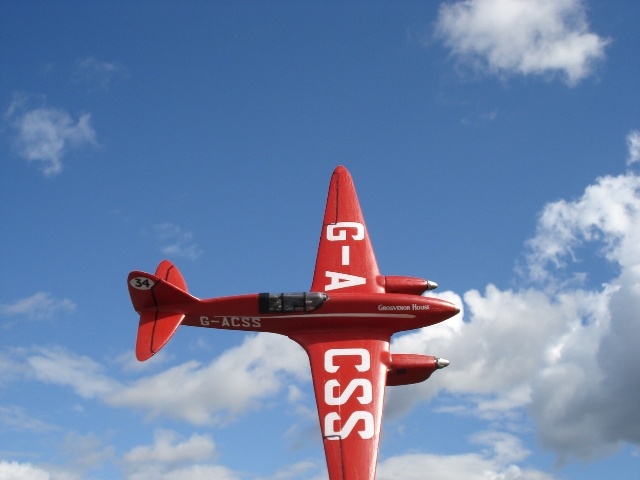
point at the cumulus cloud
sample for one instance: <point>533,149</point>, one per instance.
<point>44,135</point>
<point>60,367</point>
<point>607,213</point>
<point>500,454</point>
<point>633,142</point>
<point>40,305</point>
<point>521,37</point>
<point>175,241</point>
<point>564,353</point>
<point>297,471</point>
<point>167,450</point>
<point>20,471</point>
<point>250,372</point>
<point>173,457</point>
<point>254,371</point>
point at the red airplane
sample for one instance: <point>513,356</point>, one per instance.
<point>344,323</point>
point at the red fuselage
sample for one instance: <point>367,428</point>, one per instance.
<point>289,314</point>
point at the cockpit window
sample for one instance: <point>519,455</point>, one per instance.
<point>291,302</point>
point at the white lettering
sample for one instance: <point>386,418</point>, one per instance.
<point>342,234</point>
<point>346,255</point>
<point>343,280</point>
<point>364,399</point>
<point>330,354</point>
<point>419,307</point>
<point>244,322</point>
<point>383,308</point>
<point>332,434</point>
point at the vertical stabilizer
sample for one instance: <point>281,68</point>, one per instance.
<point>160,301</point>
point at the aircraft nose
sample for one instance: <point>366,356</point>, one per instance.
<point>444,309</point>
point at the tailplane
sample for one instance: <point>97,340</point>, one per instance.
<point>160,301</point>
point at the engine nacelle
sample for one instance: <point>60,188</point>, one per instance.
<point>411,285</point>
<point>406,369</point>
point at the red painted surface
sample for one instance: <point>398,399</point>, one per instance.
<point>345,328</point>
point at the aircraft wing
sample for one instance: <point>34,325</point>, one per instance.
<point>349,376</point>
<point>345,260</point>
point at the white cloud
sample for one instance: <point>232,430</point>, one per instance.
<point>607,213</point>
<point>15,418</point>
<point>171,457</point>
<point>40,305</point>
<point>11,365</point>
<point>60,367</point>
<point>497,461</point>
<point>197,472</point>
<point>176,242</point>
<point>521,36</point>
<point>297,471</point>
<point>85,453</point>
<point>20,471</point>
<point>497,352</point>
<point>566,354</point>
<point>45,135</point>
<point>250,372</point>
<point>166,449</point>
<point>633,142</point>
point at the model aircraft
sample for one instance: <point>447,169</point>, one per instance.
<point>345,323</point>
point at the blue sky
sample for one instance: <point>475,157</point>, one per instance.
<point>495,148</point>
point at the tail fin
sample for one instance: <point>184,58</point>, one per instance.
<point>160,301</point>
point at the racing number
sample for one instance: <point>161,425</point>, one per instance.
<point>141,283</point>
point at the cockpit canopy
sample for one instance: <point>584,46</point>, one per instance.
<point>291,302</point>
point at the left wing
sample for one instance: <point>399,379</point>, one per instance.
<point>349,376</point>
<point>345,261</point>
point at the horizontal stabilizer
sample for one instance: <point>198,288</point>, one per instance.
<point>154,331</point>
